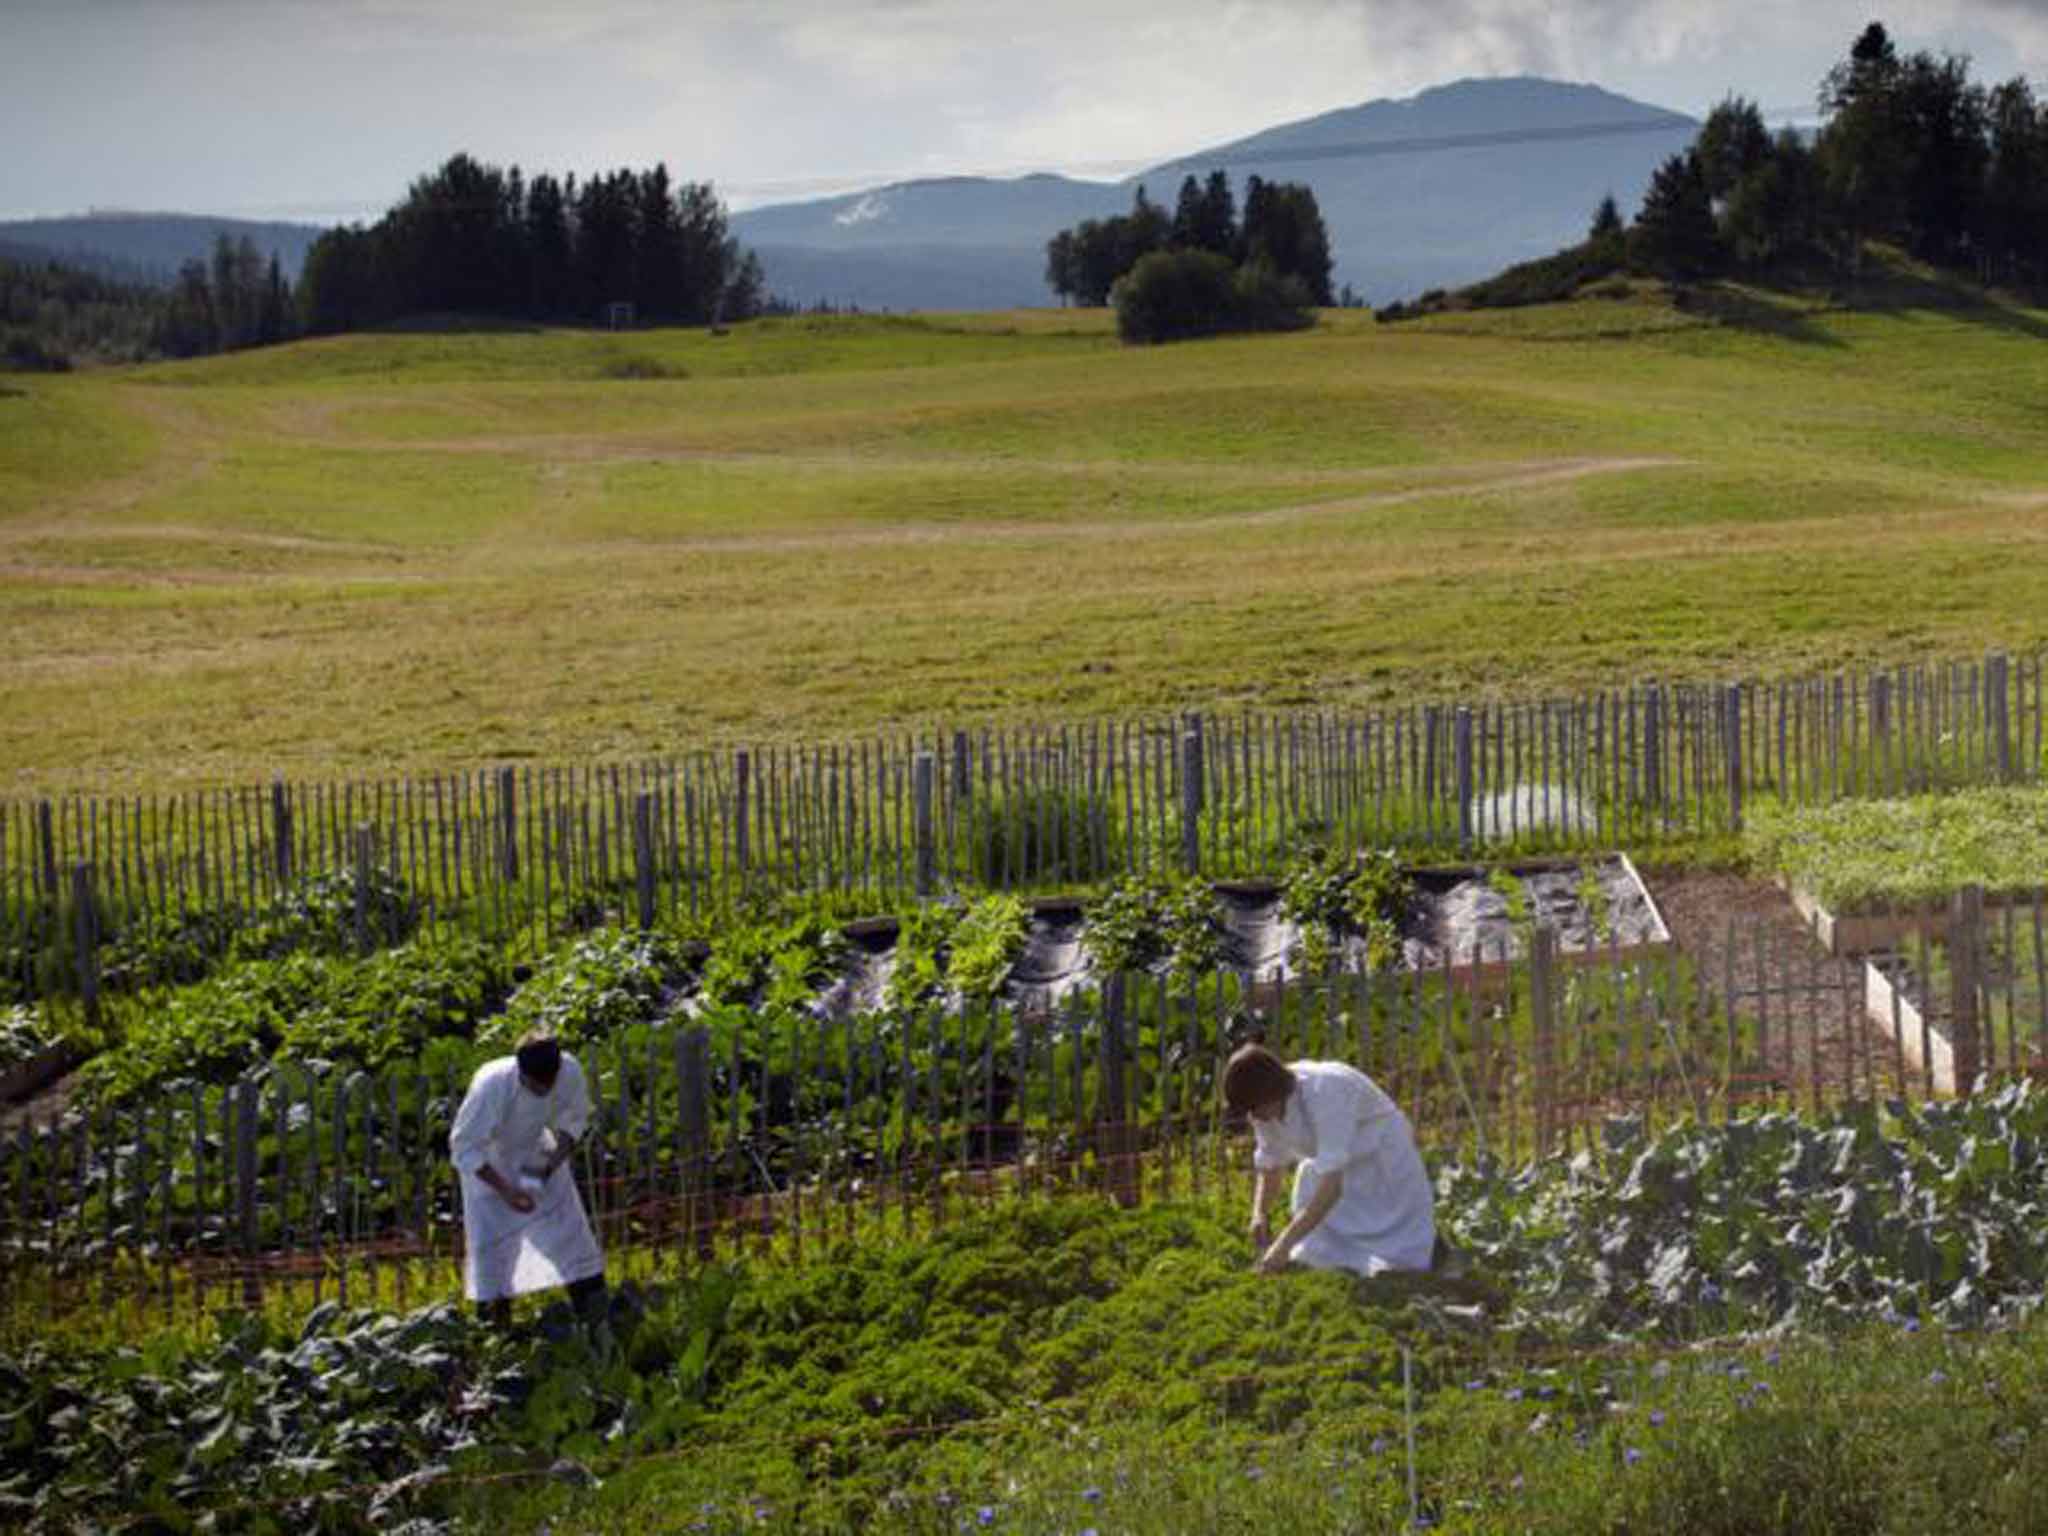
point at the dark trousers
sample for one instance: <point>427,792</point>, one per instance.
<point>586,1296</point>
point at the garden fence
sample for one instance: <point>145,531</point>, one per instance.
<point>524,853</point>
<point>795,1123</point>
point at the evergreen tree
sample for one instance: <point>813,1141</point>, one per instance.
<point>1674,234</point>
<point>549,263</point>
<point>2016,187</point>
<point>1284,230</point>
<point>1733,143</point>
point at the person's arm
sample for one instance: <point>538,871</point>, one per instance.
<point>1328,1191</point>
<point>469,1139</point>
<point>571,1117</point>
<point>510,1193</point>
<point>1266,1184</point>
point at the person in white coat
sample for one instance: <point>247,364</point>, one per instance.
<point>523,1221</point>
<point>1362,1199</point>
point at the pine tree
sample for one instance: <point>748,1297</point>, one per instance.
<point>1674,235</point>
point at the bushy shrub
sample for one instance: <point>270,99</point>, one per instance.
<point>1175,295</point>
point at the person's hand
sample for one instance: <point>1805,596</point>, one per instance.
<point>1262,1232</point>
<point>518,1199</point>
<point>1272,1261</point>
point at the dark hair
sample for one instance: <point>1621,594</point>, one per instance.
<point>1253,1078</point>
<point>540,1057</point>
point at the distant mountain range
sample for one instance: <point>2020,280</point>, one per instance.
<point>149,247</point>
<point>1438,190</point>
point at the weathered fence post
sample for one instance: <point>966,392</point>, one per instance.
<point>742,765</point>
<point>508,823</point>
<point>1464,758</point>
<point>1192,726</point>
<point>1191,801</point>
<point>1999,700</point>
<point>245,1183</point>
<point>1732,724</point>
<point>963,762</point>
<point>693,1134</point>
<point>281,831</point>
<point>46,843</point>
<point>366,854</point>
<point>926,852</point>
<point>1653,742</point>
<point>1543,1013</point>
<point>1965,940</point>
<point>643,856</point>
<point>85,938</point>
<point>1122,1148</point>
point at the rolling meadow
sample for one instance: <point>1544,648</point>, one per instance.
<point>392,551</point>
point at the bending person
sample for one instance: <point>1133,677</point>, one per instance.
<point>1362,1200</point>
<point>523,1221</point>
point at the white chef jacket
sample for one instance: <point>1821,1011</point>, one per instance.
<point>1338,1120</point>
<point>507,1125</point>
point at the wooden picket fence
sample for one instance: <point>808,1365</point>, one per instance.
<point>793,1124</point>
<point>525,853</point>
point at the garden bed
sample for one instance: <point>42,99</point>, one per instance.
<point>1475,918</point>
<point>1869,874</point>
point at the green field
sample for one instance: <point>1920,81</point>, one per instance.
<point>395,551</point>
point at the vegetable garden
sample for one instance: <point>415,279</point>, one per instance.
<point>829,1033</point>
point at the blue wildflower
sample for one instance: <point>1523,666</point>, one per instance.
<point>986,1515</point>
<point>1513,1394</point>
<point>1656,1418</point>
<point>1936,1378</point>
<point>1092,1495</point>
<point>1631,1456</point>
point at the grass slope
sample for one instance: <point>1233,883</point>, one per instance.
<point>402,550</point>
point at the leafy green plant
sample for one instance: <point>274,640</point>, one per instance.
<point>167,949</point>
<point>1329,893</point>
<point>779,964</point>
<point>211,1032</point>
<point>1145,922</point>
<point>924,943</point>
<point>23,1035</point>
<point>385,1010</point>
<point>603,983</point>
<point>990,936</point>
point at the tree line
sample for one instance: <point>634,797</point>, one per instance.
<point>1911,151</point>
<point>474,239</point>
<point>1205,268</point>
<point>53,313</point>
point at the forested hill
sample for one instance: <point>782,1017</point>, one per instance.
<point>1439,189</point>
<point>151,247</point>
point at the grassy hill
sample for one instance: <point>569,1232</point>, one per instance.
<point>435,547</point>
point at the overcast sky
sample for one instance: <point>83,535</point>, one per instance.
<point>325,109</point>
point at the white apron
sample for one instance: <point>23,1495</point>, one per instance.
<point>1338,1120</point>
<point>504,1124</point>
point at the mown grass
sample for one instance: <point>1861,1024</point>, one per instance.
<point>381,552</point>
